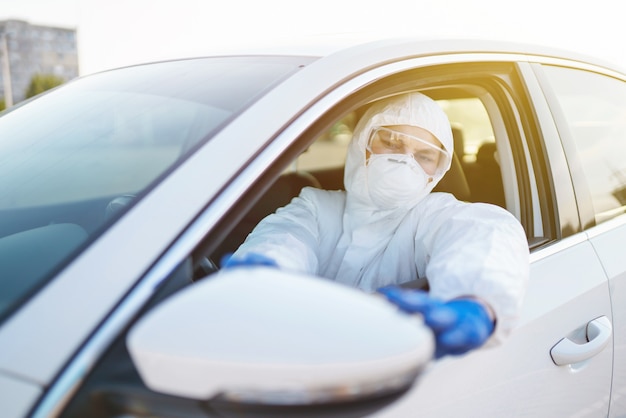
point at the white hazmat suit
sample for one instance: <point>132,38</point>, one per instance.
<point>461,249</point>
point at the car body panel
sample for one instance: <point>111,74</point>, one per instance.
<point>488,383</point>
<point>17,396</point>
<point>603,238</point>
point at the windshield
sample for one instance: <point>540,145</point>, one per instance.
<point>72,160</point>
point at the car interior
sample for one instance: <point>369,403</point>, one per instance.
<point>474,176</point>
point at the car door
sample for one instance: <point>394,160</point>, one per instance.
<point>568,294</point>
<point>591,111</point>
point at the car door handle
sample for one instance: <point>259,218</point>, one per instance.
<point>598,334</point>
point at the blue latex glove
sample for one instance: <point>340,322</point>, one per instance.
<point>459,325</point>
<point>250,259</point>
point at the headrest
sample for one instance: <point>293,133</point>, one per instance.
<point>454,181</point>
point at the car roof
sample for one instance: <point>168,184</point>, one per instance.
<point>341,49</point>
<point>375,51</point>
<point>412,47</point>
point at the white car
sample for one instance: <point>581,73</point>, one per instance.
<point>124,188</point>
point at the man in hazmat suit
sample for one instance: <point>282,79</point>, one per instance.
<point>387,228</point>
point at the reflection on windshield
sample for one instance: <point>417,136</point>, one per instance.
<point>71,158</point>
<point>118,143</point>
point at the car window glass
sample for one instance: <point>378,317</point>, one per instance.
<point>72,158</point>
<point>116,143</point>
<point>594,107</point>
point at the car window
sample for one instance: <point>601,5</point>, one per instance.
<point>470,125</point>
<point>594,107</point>
<point>72,158</point>
<point>494,148</point>
<point>474,142</point>
<point>497,159</point>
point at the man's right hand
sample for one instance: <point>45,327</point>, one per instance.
<point>247,260</point>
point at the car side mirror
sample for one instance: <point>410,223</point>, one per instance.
<point>264,336</point>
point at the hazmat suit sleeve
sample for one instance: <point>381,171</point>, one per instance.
<point>291,235</point>
<point>481,251</point>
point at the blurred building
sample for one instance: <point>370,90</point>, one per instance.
<point>33,49</point>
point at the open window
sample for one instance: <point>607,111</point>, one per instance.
<point>497,159</point>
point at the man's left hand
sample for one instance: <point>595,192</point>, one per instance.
<point>459,325</point>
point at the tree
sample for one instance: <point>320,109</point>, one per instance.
<point>42,82</point>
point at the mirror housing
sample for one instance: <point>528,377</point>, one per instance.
<point>264,336</point>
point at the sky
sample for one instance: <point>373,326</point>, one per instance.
<point>113,33</point>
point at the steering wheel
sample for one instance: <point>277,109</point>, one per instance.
<point>117,204</point>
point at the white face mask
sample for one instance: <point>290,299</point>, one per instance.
<point>396,180</point>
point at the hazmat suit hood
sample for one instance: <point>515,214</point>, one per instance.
<point>414,109</point>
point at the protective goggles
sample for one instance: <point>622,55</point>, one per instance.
<point>388,141</point>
